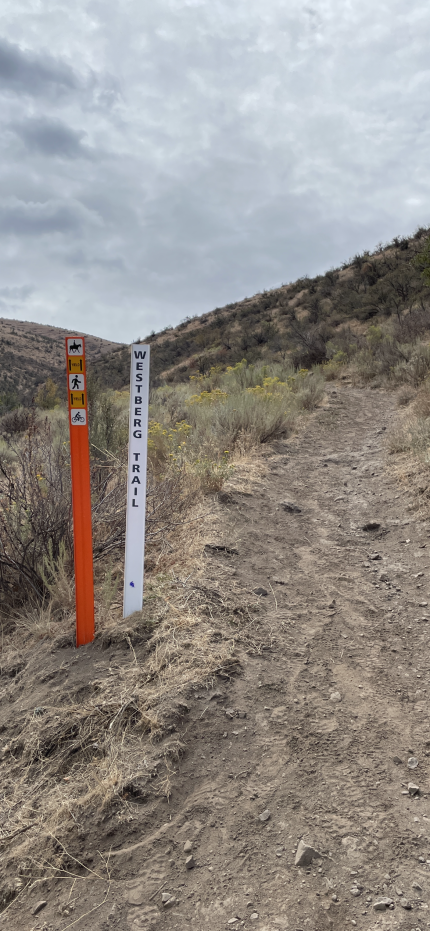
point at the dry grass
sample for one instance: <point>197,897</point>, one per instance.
<point>88,750</point>
<point>408,443</point>
<point>411,429</point>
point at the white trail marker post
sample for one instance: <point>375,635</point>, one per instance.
<point>136,479</point>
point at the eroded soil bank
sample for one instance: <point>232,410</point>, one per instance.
<point>316,727</point>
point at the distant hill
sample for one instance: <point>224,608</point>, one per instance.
<point>304,320</point>
<point>32,352</point>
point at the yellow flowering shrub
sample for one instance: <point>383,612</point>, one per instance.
<point>208,397</point>
<point>295,382</point>
<point>167,444</point>
<point>271,389</point>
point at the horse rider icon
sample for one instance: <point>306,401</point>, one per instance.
<point>75,347</point>
<point>76,383</point>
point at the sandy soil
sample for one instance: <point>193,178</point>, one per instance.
<point>316,727</point>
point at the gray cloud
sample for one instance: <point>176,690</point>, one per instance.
<point>52,137</point>
<point>187,153</point>
<point>24,71</point>
<point>35,219</point>
<point>16,294</point>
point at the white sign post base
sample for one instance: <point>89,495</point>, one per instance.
<point>136,480</point>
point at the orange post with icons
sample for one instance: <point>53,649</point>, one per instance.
<point>81,488</point>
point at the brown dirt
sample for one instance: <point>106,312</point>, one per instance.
<point>334,772</point>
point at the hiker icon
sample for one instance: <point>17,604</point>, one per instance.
<point>75,347</point>
<point>76,382</point>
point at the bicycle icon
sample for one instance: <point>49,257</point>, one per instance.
<point>79,417</point>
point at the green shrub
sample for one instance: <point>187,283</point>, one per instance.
<point>108,420</point>
<point>47,397</point>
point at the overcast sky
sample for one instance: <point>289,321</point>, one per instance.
<point>163,157</point>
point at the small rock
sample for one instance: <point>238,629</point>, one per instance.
<point>265,815</point>
<point>167,899</point>
<point>334,898</point>
<point>136,896</point>
<point>190,862</point>
<point>413,789</point>
<point>405,904</point>
<point>417,886</point>
<point>355,891</point>
<point>260,591</point>
<point>422,859</point>
<point>384,577</point>
<point>397,760</point>
<point>335,696</point>
<point>423,604</point>
<point>305,854</point>
<point>290,507</point>
<point>254,916</point>
<point>232,921</point>
<point>188,846</point>
<point>374,556</point>
<point>241,714</point>
<point>412,762</point>
<point>398,891</point>
<point>229,713</point>
<point>371,525</point>
<point>381,904</point>
<point>39,905</point>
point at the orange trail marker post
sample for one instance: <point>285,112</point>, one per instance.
<point>81,488</point>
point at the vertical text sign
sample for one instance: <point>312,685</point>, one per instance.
<point>136,479</point>
<point>81,489</point>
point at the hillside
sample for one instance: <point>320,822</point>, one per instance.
<point>32,352</point>
<point>307,320</point>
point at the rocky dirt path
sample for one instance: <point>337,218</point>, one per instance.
<point>312,739</point>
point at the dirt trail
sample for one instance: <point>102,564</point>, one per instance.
<point>319,724</point>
